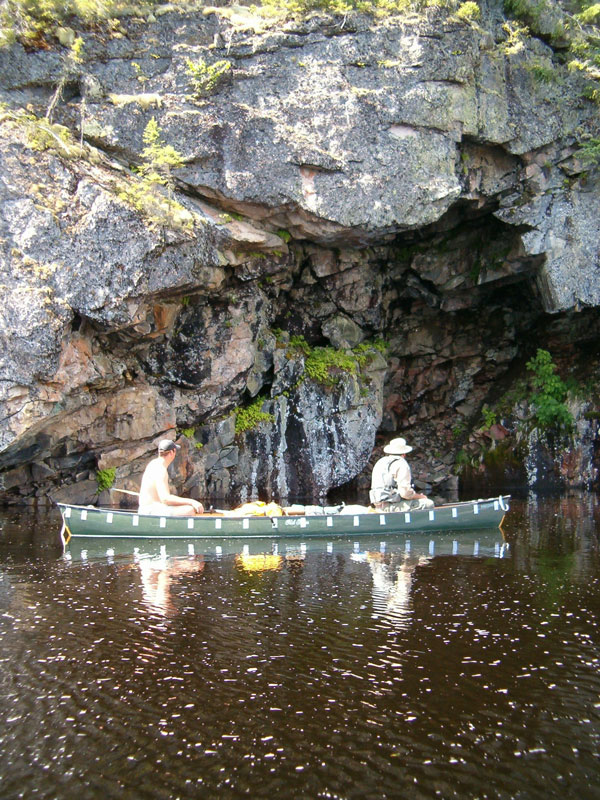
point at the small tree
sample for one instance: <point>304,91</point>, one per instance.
<point>589,152</point>
<point>147,195</point>
<point>206,78</point>
<point>159,158</point>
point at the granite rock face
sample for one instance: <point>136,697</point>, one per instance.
<point>343,181</point>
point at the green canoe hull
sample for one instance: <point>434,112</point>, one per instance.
<point>82,521</point>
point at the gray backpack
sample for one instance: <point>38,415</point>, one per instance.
<point>389,492</point>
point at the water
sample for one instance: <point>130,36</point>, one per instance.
<point>460,666</point>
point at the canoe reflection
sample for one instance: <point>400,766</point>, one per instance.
<point>477,543</point>
<point>162,564</point>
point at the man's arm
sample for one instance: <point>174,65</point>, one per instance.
<point>164,493</point>
<point>403,481</point>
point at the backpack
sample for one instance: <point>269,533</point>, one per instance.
<point>388,492</point>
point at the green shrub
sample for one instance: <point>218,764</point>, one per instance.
<point>542,73</point>
<point>468,11</point>
<point>489,417</point>
<point>30,20</point>
<point>159,158</point>
<point>206,78</point>
<point>592,92</point>
<point>590,15</point>
<point>549,399</point>
<point>322,360</point>
<point>43,135</point>
<point>459,429</point>
<point>589,151</point>
<point>105,478</point>
<point>531,11</point>
<point>324,364</point>
<point>462,459</point>
<point>516,36</point>
<point>248,418</point>
<point>364,349</point>
<point>300,343</point>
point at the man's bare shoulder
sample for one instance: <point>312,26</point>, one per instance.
<point>154,469</point>
<point>156,464</point>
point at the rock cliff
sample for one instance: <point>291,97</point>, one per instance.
<point>367,228</point>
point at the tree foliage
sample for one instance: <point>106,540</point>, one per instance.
<point>550,395</point>
<point>159,158</point>
<point>146,194</point>
<point>206,78</point>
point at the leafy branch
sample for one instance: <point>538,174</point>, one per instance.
<point>549,399</point>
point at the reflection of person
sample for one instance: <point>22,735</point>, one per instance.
<point>158,575</point>
<point>391,481</point>
<point>155,495</point>
<point>392,589</point>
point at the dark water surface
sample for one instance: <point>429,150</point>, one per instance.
<point>462,666</point>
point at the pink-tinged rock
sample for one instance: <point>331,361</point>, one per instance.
<point>498,432</point>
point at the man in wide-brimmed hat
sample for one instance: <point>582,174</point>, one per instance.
<point>391,481</point>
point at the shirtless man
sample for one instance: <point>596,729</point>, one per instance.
<point>155,495</point>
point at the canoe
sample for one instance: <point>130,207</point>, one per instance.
<point>89,521</point>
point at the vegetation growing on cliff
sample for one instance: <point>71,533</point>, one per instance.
<point>589,152</point>
<point>30,21</point>
<point>468,11</point>
<point>326,365</point>
<point>43,135</point>
<point>252,415</point>
<point>322,364</point>
<point>574,24</point>
<point>206,78</point>
<point>71,62</point>
<point>536,402</point>
<point>548,401</point>
<point>105,478</point>
<point>146,194</point>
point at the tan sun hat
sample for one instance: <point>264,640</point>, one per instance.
<point>397,447</point>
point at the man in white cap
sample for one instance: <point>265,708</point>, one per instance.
<point>155,494</point>
<point>391,481</point>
